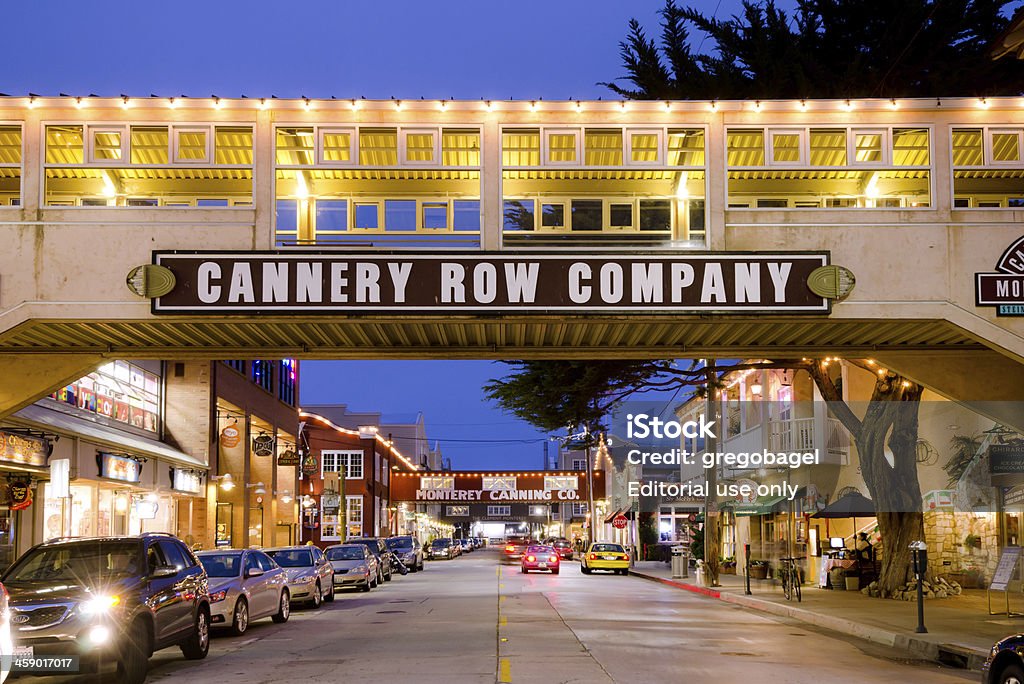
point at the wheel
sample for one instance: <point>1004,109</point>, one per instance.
<point>525,571</point>
<point>134,662</point>
<point>330,597</point>
<point>554,572</point>
<point>240,617</point>
<point>380,577</point>
<point>284,608</point>
<point>419,568</point>
<point>198,645</point>
<point>366,587</point>
<point>585,570</point>
<point>797,587</point>
<point>318,596</point>
<point>1011,674</point>
<point>374,582</point>
<point>387,577</point>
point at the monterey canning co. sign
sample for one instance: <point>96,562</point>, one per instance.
<point>310,282</point>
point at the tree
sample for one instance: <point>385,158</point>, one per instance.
<point>554,394</point>
<point>825,49</point>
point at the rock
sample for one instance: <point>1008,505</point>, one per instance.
<point>941,593</point>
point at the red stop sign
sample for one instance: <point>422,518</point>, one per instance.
<point>619,522</point>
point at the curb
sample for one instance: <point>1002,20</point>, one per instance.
<point>914,646</point>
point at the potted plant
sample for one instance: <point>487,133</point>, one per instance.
<point>728,566</point>
<point>759,569</point>
<point>973,578</point>
<point>852,579</point>
<point>972,541</point>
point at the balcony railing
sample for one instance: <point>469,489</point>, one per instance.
<point>799,434</point>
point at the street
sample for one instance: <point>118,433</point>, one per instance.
<point>472,619</point>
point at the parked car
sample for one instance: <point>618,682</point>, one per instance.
<point>1005,664</point>
<point>466,545</point>
<point>442,547</point>
<point>563,547</point>
<point>379,549</point>
<point>540,557</point>
<point>605,556</point>
<point>354,566</point>
<point>245,585</point>
<point>408,550</point>
<point>515,547</point>
<point>109,599</point>
<point>310,575</point>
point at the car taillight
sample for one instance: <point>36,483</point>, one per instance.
<point>626,556</point>
<point>530,559</point>
<point>553,559</point>
<point>510,548</point>
<point>593,556</point>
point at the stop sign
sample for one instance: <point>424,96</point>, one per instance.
<point>619,522</point>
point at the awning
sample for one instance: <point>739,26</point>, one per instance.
<point>612,516</point>
<point>762,506</point>
<point>105,436</point>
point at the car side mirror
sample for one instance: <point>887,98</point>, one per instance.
<point>253,572</point>
<point>162,571</point>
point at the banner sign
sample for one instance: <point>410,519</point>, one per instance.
<point>113,467</point>
<point>1006,463</point>
<point>20,495</point>
<point>289,457</point>
<point>187,480</point>
<point>309,282</point>
<point>495,488</point>
<point>1004,289</point>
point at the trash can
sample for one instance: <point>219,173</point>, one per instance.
<point>680,561</point>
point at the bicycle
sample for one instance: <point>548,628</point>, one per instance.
<point>790,574</point>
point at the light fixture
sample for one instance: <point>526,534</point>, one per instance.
<point>367,431</point>
<point>757,105</point>
<point>32,102</point>
<point>79,103</point>
<point>398,105</point>
<point>126,102</point>
<point>121,503</point>
<point>257,487</point>
<point>983,102</point>
<point>172,103</point>
<point>755,389</point>
<point>713,106</point>
<point>893,104</point>
<point>354,104</point>
<point>225,481</point>
<point>489,105</point>
<point>308,501</point>
<point>442,105</point>
<point>848,106</point>
<point>307,103</point>
<point>217,102</point>
<point>803,105</point>
<point>263,103</point>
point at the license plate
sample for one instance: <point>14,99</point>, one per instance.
<point>542,565</point>
<point>23,652</point>
<point>610,558</point>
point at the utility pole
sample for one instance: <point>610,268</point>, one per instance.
<point>711,528</point>
<point>590,487</point>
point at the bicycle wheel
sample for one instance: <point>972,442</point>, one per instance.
<point>796,578</point>
<point>787,589</point>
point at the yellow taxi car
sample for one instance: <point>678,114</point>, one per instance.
<point>605,556</point>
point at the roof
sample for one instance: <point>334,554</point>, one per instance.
<point>1011,40</point>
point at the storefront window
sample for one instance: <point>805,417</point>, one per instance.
<point>119,391</point>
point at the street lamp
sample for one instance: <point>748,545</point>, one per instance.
<point>227,483</point>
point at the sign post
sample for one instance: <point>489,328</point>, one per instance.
<point>1008,561</point>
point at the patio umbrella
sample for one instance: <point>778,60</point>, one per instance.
<point>853,505</point>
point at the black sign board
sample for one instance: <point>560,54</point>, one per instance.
<point>1006,463</point>
<point>1003,289</point>
<point>1004,570</point>
<point>289,457</point>
<point>305,282</point>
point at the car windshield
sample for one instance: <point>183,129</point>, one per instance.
<point>78,562</point>
<point>607,547</point>
<point>368,543</point>
<point>562,543</point>
<point>345,553</point>
<point>541,549</point>
<point>292,558</point>
<point>440,543</point>
<point>221,564</point>
<point>402,543</point>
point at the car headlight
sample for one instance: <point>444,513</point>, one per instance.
<point>99,605</point>
<point>218,596</point>
<point>305,578</point>
<point>359,569</point>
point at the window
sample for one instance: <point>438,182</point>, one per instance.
<point>236,364</point>
<point>400,215</point>
<point>460,147</point>
<point>787,146</point>
<point>354,516</point>
<point>745,147</point>
<point>148,165</point>
<point>10,165</point>
<point>420,146</point>
<point>552,215</point>
<point>331,216</point>
<point>620,215</point>
<point>685,147</point>
<point>499,484</point>
<point>656,215</point>
<point>262,374</point>
<point>286,373</point>
<point>337,146</point>
<point>295,146</point>
<point>520,148</point>
<point>644,146</point>
<point>173,554</point>
<point>1005,147</point>
<point>910,147</point>
<point>602,147</point>
<point>586,214</point>
<point>435,215</point>
<point>562,146</point>
<point>457,511</point>
<point>579,510</point>
<point>499,511</point>
<point>868,147</point>
<point>519,215</point>
<point>119,391</point>
<point>378,146</point>
<point>466,215</point>
<point>330,522</point>
<point>579,464</point>
<point>437,483</point>
<point>828,147</point>
<point>561,483</point>
<point>988,172</point>
<point>366,216</point>
<point>347,463</point>
<point>539,511</point>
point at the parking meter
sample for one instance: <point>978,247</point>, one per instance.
<point>919,553</point>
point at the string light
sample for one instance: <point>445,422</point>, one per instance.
<point>126,102</point>
<point>79,103</point>
<point>488,105</point>
<point>757,105</point>
<point>803,105</point>
<point>217,103</point>
<point>983,102</point>
<point>307,103</point>
<point>32,102</point>
<point>263,103</point>
<point>848,106</point>
<point>398,105</point>
<point>172,103</point>
<point>893,104</point>
<point>533,105</point>
<point>623,105</point>
<point>355,104</point>
<point>668,106</point>
<point>579,106</point>
<point>442,105</point>
<point>713,106</point>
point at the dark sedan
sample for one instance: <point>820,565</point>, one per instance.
<point>1005,663</point>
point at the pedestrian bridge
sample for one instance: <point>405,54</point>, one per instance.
<point>386,230</point>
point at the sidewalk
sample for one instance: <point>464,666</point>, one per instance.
<point>960,630</point>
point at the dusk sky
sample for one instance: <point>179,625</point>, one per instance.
<point>464,49</point>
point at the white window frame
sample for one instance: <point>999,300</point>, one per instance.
<point>607,218</point>
<point>537,510</point>
<point>627,137</point>
<point>803,146</point>
<point>320,132</point>
<point>886,134</point>
<point>545,146</point>
<point>579,509</point>
<point>176,132</point>
<point>403,146</point>
<point>457,511</point>
<point>90,143</point>
<point>538,223</point>
<point>421,224</point>
<point>499,483</point>
<point>493,510</point>
<point>349,498</point>
<point>350,465</point>
<point>561,483</point>
<point>437,483</point>
<point>323,524</point>
<point>355,202</point>
<point>579,460</point>
<point>990,159</point>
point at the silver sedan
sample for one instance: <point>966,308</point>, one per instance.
<point>245,585</point>
<point>354,566</point>
<point>310,575</point>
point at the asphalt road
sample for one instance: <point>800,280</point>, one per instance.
<point>474,620</point>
